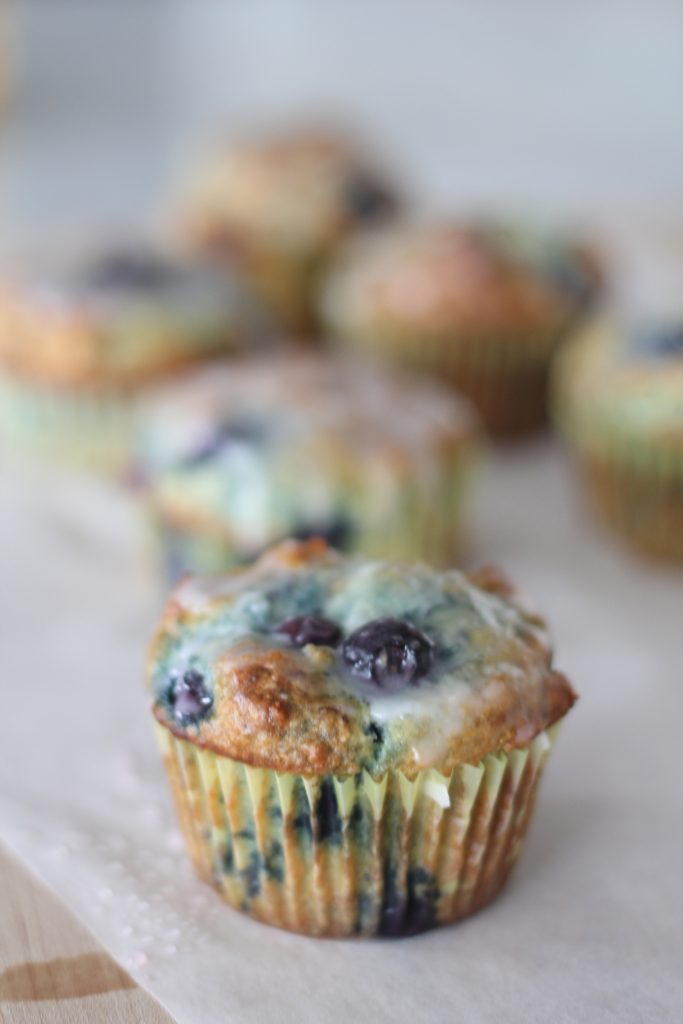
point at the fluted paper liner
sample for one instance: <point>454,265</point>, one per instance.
<point>354,856</point>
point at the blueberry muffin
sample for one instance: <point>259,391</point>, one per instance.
<point>353,746</point>
<point>619,402</point>
<point>280,206</point>
<point>482,306</point>
<point>80,342</point>
<point>305,445</point>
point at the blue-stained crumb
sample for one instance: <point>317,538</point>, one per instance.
<point>273,862</point>
<point>228,861</point>
<point>328,823</point>
<point>251,875</point>
<point>301,817</point>
<point>423,895</point>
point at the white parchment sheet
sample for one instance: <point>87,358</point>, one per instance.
<point>590,927</point>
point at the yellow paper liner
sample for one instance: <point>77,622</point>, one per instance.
<point>354,856</point>
<point>505,376</point>
<point>94,431</point>
<point>643,508</point>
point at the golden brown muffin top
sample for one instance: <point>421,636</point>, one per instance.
<point>295,191</point>
<point>619,385</point>
<point>310,663</point>
<point>448,277</point>
<point>116,317</point>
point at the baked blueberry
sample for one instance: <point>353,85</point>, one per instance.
<point>364,198</point>
<point>337,532</point>
<point>666,342</point>
<point>131,270</point>
<point>189,697</point>
<point>239,430</point>
<point>311,629</point>
<point>389,652</point>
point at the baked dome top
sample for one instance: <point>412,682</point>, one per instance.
<point>311,663</point>
<point>623,383</point>
<point>446,277</point>
<point>262,447</point>
<point>118,315</point>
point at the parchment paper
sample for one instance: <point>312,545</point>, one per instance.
<point>590,927</point>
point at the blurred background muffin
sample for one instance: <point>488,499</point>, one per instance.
<point>619,403</point>
<point>82,338</point>
<point>302,446</point>
<point>483,306</point>
<point>280,205</point>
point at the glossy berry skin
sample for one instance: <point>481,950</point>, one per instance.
<point>311,629</point>
<point>337,532</point>
<point>190,698</point>
<point>392,653</point>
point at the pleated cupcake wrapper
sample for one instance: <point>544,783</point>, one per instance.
<point>354,856</point>
<point>635,485</point>
<point>94,431</point>
<point>428,527</point>
<point>643,507</point>
<point>505,376</point>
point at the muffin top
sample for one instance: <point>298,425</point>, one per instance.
<point>623,382</point>
<point>311,663</point>
<point>118,316</point>
<point>297,445</point>
<point>445,278</point>
<point>297,191</point>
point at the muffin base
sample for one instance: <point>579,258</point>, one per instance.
<point>90,430</point>
<point>642,508</point>
<point>345,857</point>
<point>427,529</point>
<point>506,378</point>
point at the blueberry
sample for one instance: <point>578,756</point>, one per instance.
<point>311,629</point>
<point>239,430</point>
<point>389,652</point>
<point>571,277</point>
<point>666,342</point>
<point>131,270</point>
<point>190,698</point>
<point>337,532</point>
<point>364,198</point>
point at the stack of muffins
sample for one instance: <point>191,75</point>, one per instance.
<point>354,729</point>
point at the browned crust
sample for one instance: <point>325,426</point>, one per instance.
<point>277,710</point>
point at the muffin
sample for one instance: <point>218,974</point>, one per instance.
<point>353,746</point>
<point>619,402</point>
<point>481,306</point>
<point>280,206</point>
<point>80,341</point>
<point>305,445</point>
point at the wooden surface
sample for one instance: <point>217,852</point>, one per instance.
<point>52,970</point>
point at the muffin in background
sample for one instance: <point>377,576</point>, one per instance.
<point>301,445</point>
<point>618,400</point>
<point>482,306</point>
<point>354,747</point>
<point>81,340</point>
<point>280,206</point>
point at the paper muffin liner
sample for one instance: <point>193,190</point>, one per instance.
<point>642,503</point>
<point>354,856</point>
<point>504,375</point>
<point>422,526</point>
<point>89,430</point>
<point>633,483</point>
